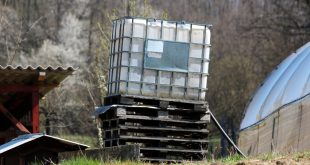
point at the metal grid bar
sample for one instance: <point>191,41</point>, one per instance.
<point>129,56</point>
<point>118,25</point>
<point>170,21</point>
<point>120,40</point>
<point>120,56</point>
<point>202,62</point>
<point>190,41</point>
<point>143,55</point>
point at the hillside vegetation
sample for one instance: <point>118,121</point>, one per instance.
<point>267,159</point>
<point>249,38</point>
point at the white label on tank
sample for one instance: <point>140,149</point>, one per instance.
<point>155,46</point>
<point>154,55</point>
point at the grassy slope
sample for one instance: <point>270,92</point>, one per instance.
<point>272,158</point>
<point>86,161</point>
<point>91,141</point>
<point>295,158</point>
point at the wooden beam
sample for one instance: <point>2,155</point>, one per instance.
<point>24,88</point>
<point>17,124</point>
<point>35,112</point>
<point>21,160</point>
<point>18,88</point>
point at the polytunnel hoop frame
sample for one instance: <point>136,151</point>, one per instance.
<point>275,111</point>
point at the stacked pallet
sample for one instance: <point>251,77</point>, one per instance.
<point>166,130</point>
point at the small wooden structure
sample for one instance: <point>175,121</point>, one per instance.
<point>167,130</point>
<point>35,148</point>
<point>20,91</point>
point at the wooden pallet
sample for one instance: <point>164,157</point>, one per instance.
<point>153,113</point>
<point>164,134</point>
<point>155,101</point>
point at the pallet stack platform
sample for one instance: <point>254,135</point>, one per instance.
<point>156,90</point>
<point>166,130</point>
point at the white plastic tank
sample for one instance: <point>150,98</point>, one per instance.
<point>159,58</point>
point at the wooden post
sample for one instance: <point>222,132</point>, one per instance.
<point>18,88</point>
<point>21,160</point>
<point>35,112</point>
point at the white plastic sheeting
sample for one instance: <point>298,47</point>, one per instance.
<point>289,82</point>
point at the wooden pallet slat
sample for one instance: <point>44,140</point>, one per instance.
<point>164,129</point>
<point>155,101</point>
<point>154,159</point>
<point>173,150</point>
<point>161,119</point>
<point>167,130</point>
<point>163,139</point>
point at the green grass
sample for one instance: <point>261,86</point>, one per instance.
<point>268,156</point>
<point>300,157</point>
<point>80,161</point>
<point>91,141</point>
<point>118,162</point>
<point>88,161</point>
<point>231,159</point>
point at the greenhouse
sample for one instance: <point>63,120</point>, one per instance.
<point>277,117</point>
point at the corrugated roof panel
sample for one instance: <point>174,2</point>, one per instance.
<point>38,68</point>
<point>29,75</point>
<point>23,139</point>
<point>18,142</point>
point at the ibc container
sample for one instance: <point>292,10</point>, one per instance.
<point>158,58</point>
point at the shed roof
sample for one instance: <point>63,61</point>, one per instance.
<point>288,83</point>
<point>30,75</point>
<point>30,142</point>
<point>17,83</point>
